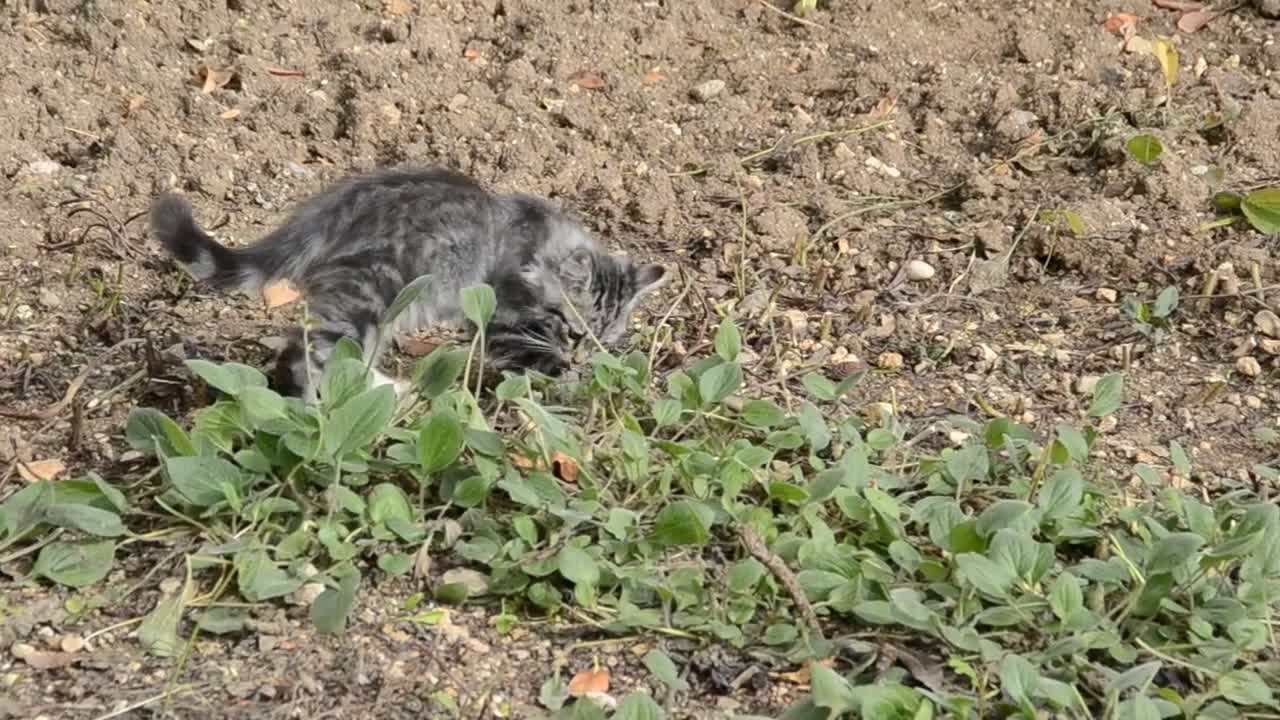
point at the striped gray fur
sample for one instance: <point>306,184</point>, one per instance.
<point>353,247</point>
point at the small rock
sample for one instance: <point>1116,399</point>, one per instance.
<point>23,313</point>
<point>842,152</point>
<point>1247,365</point>
<point>890,361</point>
<point>920,270</point>
<point>1017,125</point>
<point>307,594</point>
<point>71,643</point>
<point>1086,383</point>
<point>44,167</point>
<point>1268,8</point>
<point>457,102</point>
<point>1108,424</point>
<point>475,582</point>
<point>1267,322</point>
<point>879,166</point>
<point>707,90</point>
<point>50,299</point>
<point>1270,346</point>
<point>1106,295</point>
<point>1253,402</point>
<point>391,114</point>
<point>267,643</point>
<point>273,342</point>
<point>298,169</point>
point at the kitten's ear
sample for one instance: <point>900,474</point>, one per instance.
<point>650,277</point>
<point>577,269</point>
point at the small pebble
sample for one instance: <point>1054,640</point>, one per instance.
<point>1247,365</point>
<point>1267,322</point>
<point>1086,383</point>
<point>1106,295</point>
<point>920,270</point>
<point>890,361</point>
<point>707,90</point>
<point>457,102</point>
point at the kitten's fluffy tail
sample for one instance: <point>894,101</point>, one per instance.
<point>222,267</point>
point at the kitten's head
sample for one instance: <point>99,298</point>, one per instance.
<point>600,291</point>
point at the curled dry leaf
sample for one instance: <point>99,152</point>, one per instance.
<point>279,293</point>
<point>1179,5</point>
<point>564,467</point>
<point>134,104</point>
<point>587,80</point>
<point>525,462</point>
<point>1196,19</point>
<point>231,114</point>
<point>1122,24</point>
<point>589,681</point>
<point>43,659</point>
<point>41,469</point>
<point>471,53</point>
<point>213,79</point>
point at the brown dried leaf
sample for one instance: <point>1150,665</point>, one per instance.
<point>231,114</point>
<point>38,470</point>
<point>471,53</point>
<point>1138,44</point>
<point>399,7</point>
<point>213,79</point>
<point>587,80</point>
<point>415,346</point>
<point>564,467</point>
<point>422,561</point>
<point>885,106</point>
<point>1196,19</point>
<point>284,72</point>
<point>654,75</point>
<point>279,293</point>
<point>43,659</point>
<point>589,681</point>
<point>134,104</point>
<point>525,462</point>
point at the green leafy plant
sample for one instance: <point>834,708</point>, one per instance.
<point>1144,148</point>
<point>1152,320</point>
<point>1260,208</point>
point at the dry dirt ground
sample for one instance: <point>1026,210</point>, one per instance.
<point>793,168</point>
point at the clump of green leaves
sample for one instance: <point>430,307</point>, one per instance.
<point>1144,148</point>
<point>1036,587</point>
<point>1260,208</point>
<point>1152,320</point>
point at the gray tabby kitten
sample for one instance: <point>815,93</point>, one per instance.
<point>352,248</point>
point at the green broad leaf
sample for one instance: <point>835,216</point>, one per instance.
<point>201,480</point>
<point>440,441</point>
<point>1138,707</point>
<point>485,442</point>
<point>1262,209</point>
<point>223,620</point>
<point>343,379</point>
<point>330,610</point>
<point>230,378</point>
<point>1062,494</point>
<point>454,593</point>
<point>478,304</point>
<point>682,523</point>
<point>968,464</point>
<point>262,405</point>
<point>1018,678</point>
<point>728,340</point>
<point>25,509</point>
<point>636,706</point>
<point>1171,551</point>
<point>660,664</point>
<point>542,418</point>
<point>577,566</point>
<point>1065,597</point>
<point>513,387</point>
<point>744,575</point>
<point>150,431</point>
<point>346,349</point>
<point>814,426</point>
<point>406,297</point>
<point>830,691</point>
<point>1001,514</point>
<point>86,518</point>
<point>395,563</point>
<point>666,412</point>
<point>75,565</point>
<point>387,502</point>
<point>820,386</point>
<point>1073,440</point>
<point>1228,201</point>
<point>1144,148</point>
<point>359,420</point>
<point>1181,463</point>
<point>1107,395</point>
<point>988,576</point>
<point>436,373</point>
<point>719,382</point>
<point>1138,676</point>
<point>1166,302</point>
<point>1245,687</point>
<point>158,633</point>
<point>762,413</point>
<point>261,579</point>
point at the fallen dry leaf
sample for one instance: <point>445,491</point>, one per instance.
<point>284,72</point>
<point>1196,19</point>
<point>231,114</point>
<point>471,53</point>
<point>653,75</point>
<point>38,470</point>
<point>1122,24</point>
<point>422,561</point>
<point>43,659</point>
<point>565,468</point>
<point>134,104</point>
<point>399,7</point>
<point>279,293</point>
<point>1138,44</point>
<point>1167,55</point>
<point>587,80</point>
<point>525,462</point>
<point>1180,5</point>
<point>212,79</point>
<point>885,106</point>
<point>416,347</point>
<point>589,681</point>
<point>803,675</point>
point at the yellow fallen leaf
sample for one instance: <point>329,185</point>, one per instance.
<point>38,470</point>
<point>1167,54</point>
<point>279,293</point>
